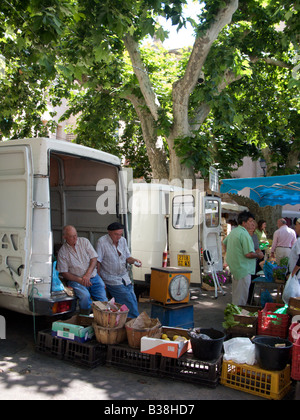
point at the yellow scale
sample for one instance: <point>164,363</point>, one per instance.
<point>170,285</point>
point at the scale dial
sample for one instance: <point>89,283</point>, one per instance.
<point>179,288</point>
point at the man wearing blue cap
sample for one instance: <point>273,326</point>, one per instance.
<point>113,256</point>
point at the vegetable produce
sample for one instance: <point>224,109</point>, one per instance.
<point>229,315</point>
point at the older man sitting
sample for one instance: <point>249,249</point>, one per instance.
<point>76,261</point>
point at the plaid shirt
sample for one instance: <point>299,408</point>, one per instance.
<point>69,261</point>
<point>112,259</point>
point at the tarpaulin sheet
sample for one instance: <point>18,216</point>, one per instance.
<point>266,191</point>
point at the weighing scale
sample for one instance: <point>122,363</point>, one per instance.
<point>170,285</point>
<point>170,288</point>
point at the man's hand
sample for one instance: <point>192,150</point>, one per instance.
<point>87,276</point>
<point>86,280</point>
<point>256,254</point>
<point>260,254</point>
<point>135,261</point>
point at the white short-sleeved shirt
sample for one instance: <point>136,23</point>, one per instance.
<point>112,259</point>
<point>294,255</point>
<point>77,263</point>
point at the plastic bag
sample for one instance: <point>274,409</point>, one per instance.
<point>291,289</point>
<point>268,270</point>
<point>57,285</point>
<point>239,350</point>
<point>264,245</point>
<point>265,297</point>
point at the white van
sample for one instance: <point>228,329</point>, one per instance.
<point>173,221</point>
<point>44,185</point>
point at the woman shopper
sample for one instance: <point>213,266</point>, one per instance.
<point>261,232</point>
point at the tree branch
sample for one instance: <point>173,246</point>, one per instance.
<point>183,87</point>
<point>271,61</point>
<point>142,75</point>
<point>228,78</point>
<point>204,108</point>
<point>155,154</point>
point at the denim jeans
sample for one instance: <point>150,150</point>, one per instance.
<point>125,295</point>
<point>85,294</point>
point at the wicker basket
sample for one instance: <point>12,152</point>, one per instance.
<point>109,335</point>
<point>134,335</point>
<point>107,318</point>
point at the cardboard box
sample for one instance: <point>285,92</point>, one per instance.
<point>174,349</point>
<point>78,328</point>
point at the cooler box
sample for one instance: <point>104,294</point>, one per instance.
<point>78,328</point>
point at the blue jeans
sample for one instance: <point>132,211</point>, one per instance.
<point>84,294</point>
<point>125,295</point>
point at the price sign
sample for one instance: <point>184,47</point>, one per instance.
<point>214,179</point>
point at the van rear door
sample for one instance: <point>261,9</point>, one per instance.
<point>211,231</point>
<point>184,231</point>
<point>15,218</point>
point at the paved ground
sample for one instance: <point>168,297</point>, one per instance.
<point>28,375</point>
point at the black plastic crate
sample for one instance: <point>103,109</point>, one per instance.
<point>188,368</point>
<point>131,359</point>
<point>89,354</point>
<point>49,345</point>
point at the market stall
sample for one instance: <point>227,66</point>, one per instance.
<point>196,355</point>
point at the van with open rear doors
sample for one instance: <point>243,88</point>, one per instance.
<point>173,226</point>
<point>46,184</point>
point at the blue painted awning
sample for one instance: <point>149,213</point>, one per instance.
<point>266,191</point>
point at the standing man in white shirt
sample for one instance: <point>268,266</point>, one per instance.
<point>113,256</point>
<point>283,240</point>
<point>77,261</point>
<point>294,258</point>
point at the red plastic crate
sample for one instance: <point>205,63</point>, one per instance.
<point>272,324</point>
<point>295,372</point>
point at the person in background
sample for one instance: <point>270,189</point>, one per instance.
<point>294,257</point>
<point>283,240</point>
<point>241,257</point>
<point>77,261</point>
<point>293,225</point>
<point>261,231</point>
<point>233,224</point>
<point>252,232</point>
<point>113,256</point>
